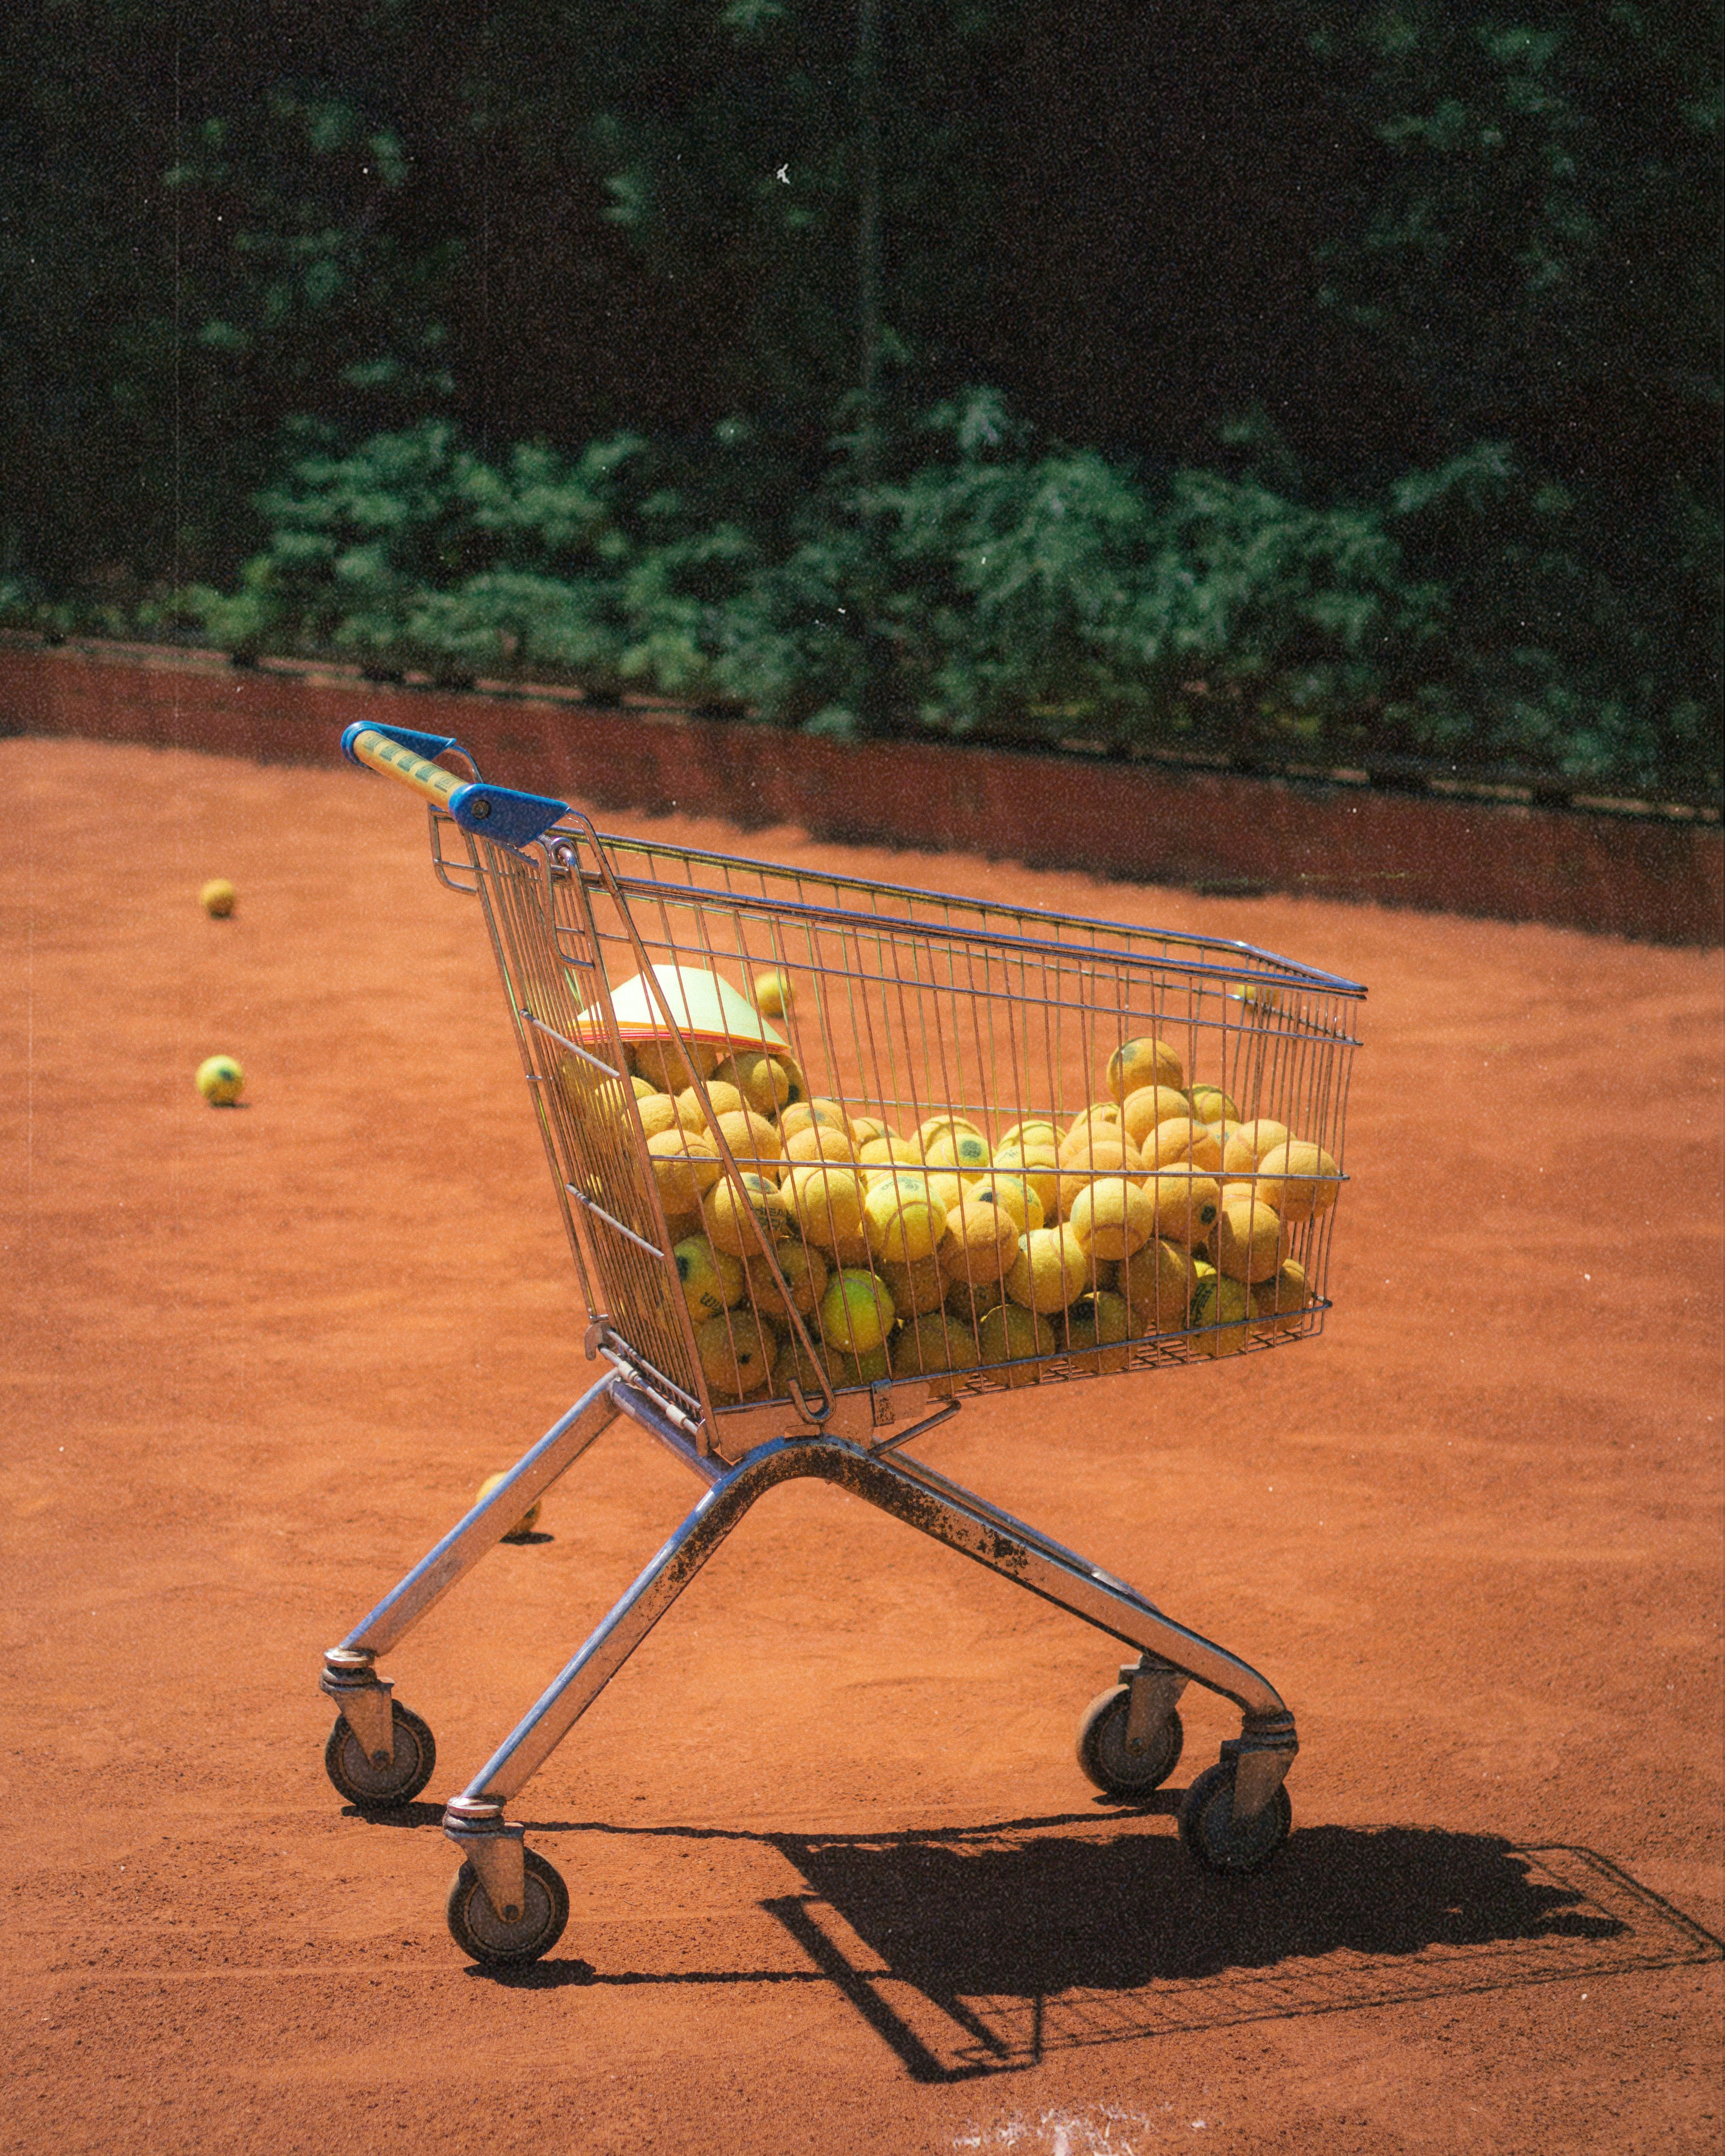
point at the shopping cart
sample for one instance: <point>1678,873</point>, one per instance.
<point>813,1219</point>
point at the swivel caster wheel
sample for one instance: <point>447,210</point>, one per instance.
<point>376,1786</point>
<point>502,1940</point>
<point>1211,1833</point>
<point>1104,1755</point>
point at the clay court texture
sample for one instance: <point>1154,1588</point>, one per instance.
<point>837,1883</point>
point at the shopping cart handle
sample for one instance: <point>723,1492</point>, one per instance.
<point>495,812</point>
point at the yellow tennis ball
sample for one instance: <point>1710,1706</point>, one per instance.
<point>970,1296</point>
<point>1248,1239</point>
<point>528,1521</point>
<point>1246,1144</point>
<point>1051,1270</point>
<point>737,1351</point>
<point>1095,1327</point>
<point>1011,1194</point>
<point>737,1223</point>
<point>1112,1217</point>
<point>1145,1061</point>
<point>902,1226</point>
<point>1211,1105</point>
<point>711,1280</point>
<point>763,1081</point>
<point>1186,1204</point>
<point>773,995</point>
<point>220,1080</point>
<point>964,1150</point>
<point>826,1202</point>
<point>685,1166</point>
<point>1010,1333</point>
<point>856,1312</point>
<point>1037,1166</point>
<point>797,1115</point>
<point>661,1062</point>
<point>219,898</point>
<point>1034,1131</point>
<point>1185,1140</point>
<point>915,1289</point>
<point>820,1142</point>
<point>1221,1312</point>
<point>692,1112</point>
<point>754,1143</point>
<point>1157,1282</point>
<point>804,1272</point>
<point>1299,1179</point>
<point>1140,1113</point>
<point>933,1345</point>
<point>980,1236</point>
<point>1108,1154</point>
<point>1281,1301</point>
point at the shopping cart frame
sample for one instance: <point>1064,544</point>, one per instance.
<point>508,1904</point>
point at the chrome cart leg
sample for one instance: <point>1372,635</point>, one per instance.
<point>379,1754</point>
<point>1170,1655</point>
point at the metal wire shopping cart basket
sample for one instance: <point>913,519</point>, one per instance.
<point>837,1159</point>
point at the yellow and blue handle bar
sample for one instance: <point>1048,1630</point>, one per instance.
<point>513,818</point>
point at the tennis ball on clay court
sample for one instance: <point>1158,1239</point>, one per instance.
<point>1112,1217</point>
<point>1145,1061</point>
<point>1096,1327</point>
<point>528,1521</point>
<point>902,1226</point>
<point>804,1272</point>
<point>856,1312</point>
<point>220,1080</point>
<point>1157,1282</point>
<point>774,996</point>
<point>1051,1270</point>
<point>1281,1300</point>
<point>1299,1179</point>
<point>711,1280</point>
<point>1248,1238</point>
<point>915,1289</point>
<point>219,898</point>
<point>934,1344</point>
<point>736,1352</point>
<point>732,1219</point>
<point>685,1166</point>
<point>1008,1333</point>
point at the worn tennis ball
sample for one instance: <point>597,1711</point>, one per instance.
<point>737,1223</point>
<point>804,1271</point>
<point>764,1080</point>
<point>820,1142</point>
<point>1144,1061</point>
<point>1140,1113</point>
<point>736,1353</point>
<point>219,898</point>
<point>917,1288</point>
<point>664,1063</point>
<point>1009,1333</point>
<point>1282,1300</point>
<point>596,1098</point>
<point>1299,1179</point>
<point>1037,1166</point>
<point>1221,1312</point>
<point>695,1114</point>
<point>967,1152</point>
<point>1248,1238</point>
<point>826,1201</point>
<point>753,1141</point>
<point>1052,1269</point>
<point>711,1280</point>
<point>934,1128</point>
<point>1247,1144</point>
<point>797,1115</point>
<point>220,1080</point>
<point>1096,1327</point>
<point>902,1226</point>
<point>686,1167</point>
<point>1034,1131</point>
<point>879,1155</point>
<point>1157,1282</point>
<point>657,1112</point>
<point>1112,1217</point>
<point>856,1312</point>
<point>865,1129</point>
<point>1210,1105</point>
<point>1186,1204</point>
<point>1104,1155</point>
<point>980,1237</point>
<point>528,1521</point>
<point>774,996</point>
<point>1011,1194</point>
<point>971,1296</point>
<point>1183,1139</point>
<point>933,1344</point>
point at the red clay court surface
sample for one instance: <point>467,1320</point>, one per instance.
<point>837,1883</point>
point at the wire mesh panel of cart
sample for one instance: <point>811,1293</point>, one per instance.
<point>964,1147</point>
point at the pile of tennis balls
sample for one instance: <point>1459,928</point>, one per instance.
<point>946,1249</point>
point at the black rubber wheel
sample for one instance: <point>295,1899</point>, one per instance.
<point>1104,1758</point>
<point>376,1789</point>
<point>1211,1833</point>
<point>484,1936</point>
